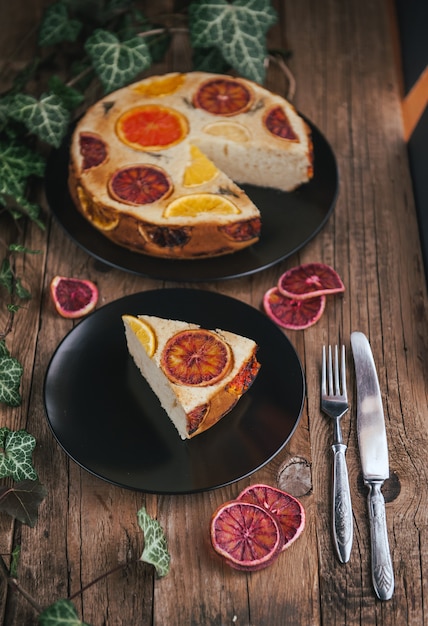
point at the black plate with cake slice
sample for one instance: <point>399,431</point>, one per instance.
<point>108,420</point>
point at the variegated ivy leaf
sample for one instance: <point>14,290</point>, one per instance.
<point>61,613</point>
<point>17,163</point>
<point>117,62</point>
<point>10,380</point>
<point>237,29</point>
<point>56,26</point>
<point>47,117</point>
<point>155,549</point>
<point>16,452</point>
<point>22,500</point>
<point>71,98</point>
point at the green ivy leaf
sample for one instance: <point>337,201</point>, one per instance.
<point>17,247</point>
<point>56,26</point>
<point>22,500</point>
<point>47,117</point>
<point>17,163</point>
<point>155,549</point>
<point>21,291</point>
<point>3,350</point>
<point>115,62</point>
<point>16,452</point>
<point>237,29</point>
<point>61,613</point>
<point>10,380</point>
<point>71,98</point>
<point>209,60</point>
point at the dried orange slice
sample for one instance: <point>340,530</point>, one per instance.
<point>160,86</point>
<point>196,357</point>
<point>247,536</point>
<point>73,297</point>
<point>100,217</point>
<point>277,123</point>
<point>93,150</point>
<point>152,127</point>
<point>223,96</point>
<point>309,280</point>
<point>228,130</point>
<point>200,170</point>
<point>139,184</point>
<point>291,313</point>
<point>193,205</point>
<point>285,508</point>
<point>144,333</point>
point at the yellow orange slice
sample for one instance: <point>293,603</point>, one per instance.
<point>100,217</point>
<point>144,333</point>
<point>200,170</point>
<point>228,130</point>
<point>152,127</point>
<point>193,205</point>
<point>160,86</point>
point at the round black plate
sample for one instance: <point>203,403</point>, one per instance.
<point>289,221</point>
<point>107,419</point>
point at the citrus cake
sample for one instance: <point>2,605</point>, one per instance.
<point>156,166</point>
<point>198,375</point>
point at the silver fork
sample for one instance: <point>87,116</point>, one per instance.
<point>334,403</point>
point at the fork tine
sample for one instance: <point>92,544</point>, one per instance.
<point>323,373</point>
<point>343,367</point>
<point>330,371</point>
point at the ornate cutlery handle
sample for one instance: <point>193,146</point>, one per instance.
<point>342,508</point>
<point>382,572</point>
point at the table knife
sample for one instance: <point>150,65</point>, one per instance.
<point>374,461</point>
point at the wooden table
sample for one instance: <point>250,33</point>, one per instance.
<point>343,60</point>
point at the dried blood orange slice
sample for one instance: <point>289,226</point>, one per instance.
<point>140,184</point>
<point>223,96</point>
<point>73,297</point>
<point>196,357</point>
<point>246,535</point>
<point>285,508</point>
<point>244,230</point>
<point>152,127</point>
<point>200,169</point>
<point>291,313</point>
<point>277,123</point>
<point>93,150</point>
<point>193,205</point>
<point>309,280</point>
<point>144,333</point>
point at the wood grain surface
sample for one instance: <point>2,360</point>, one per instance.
<point>342,59</point>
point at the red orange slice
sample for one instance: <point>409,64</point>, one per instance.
<point>152,127</point>
<point>223,96</point>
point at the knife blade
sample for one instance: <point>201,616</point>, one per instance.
<point>373,448</point>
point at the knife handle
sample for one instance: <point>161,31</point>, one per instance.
<point>382,572</point>
<point>342,507</point>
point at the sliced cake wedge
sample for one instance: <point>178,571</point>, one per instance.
<point>197,374</point>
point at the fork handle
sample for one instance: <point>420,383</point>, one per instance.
<point>342,507</point>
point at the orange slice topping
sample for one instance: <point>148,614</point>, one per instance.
<point>223,96</point>
<point>200,170</point>
<point>228,130</point>
<point>152,127</point>
<point>144,333</point>
<point>196,357</point>
<point>160,86</point>
<point>192,206</point>
<point>277,123</point>
<point>139,184</point>
<point>101,217</point>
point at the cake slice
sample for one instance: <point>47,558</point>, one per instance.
<point>197,374</point>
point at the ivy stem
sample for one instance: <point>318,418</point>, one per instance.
<point>100,577</point>
<point>14,584</point>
